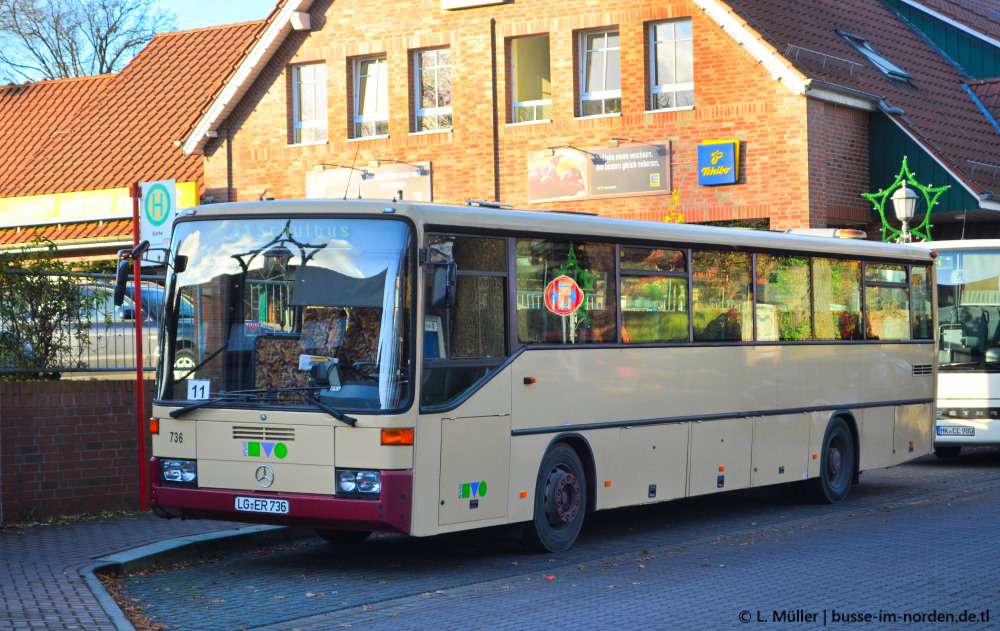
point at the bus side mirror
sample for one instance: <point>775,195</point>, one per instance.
<point>443,284</point>
<point>180,263</point>
<point>121,279</point>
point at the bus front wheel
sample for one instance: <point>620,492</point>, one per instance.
<point>560,502</point>
<point>837,464</point>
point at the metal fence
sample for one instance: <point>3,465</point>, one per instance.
<point>110,340</point>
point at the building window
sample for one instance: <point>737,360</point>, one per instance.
<point>433,89</point>
<point>532,85</point>
<point>876,58</point>
<point>371,97</point>
<point>601,75</point>
<point>309,103</point>
<point>671,51</point>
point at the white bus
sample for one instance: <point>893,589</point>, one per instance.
<point>427,368</point>
<point>968,286</point>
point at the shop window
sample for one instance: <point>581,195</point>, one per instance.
<point>532,84</point>
<point>309,103</point>
<point>371,97</point>
<point>600,73</point>
<point>671,65</point>
<point>433,83</point>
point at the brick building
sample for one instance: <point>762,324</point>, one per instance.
<point>469,94</point>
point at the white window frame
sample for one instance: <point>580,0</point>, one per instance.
<point>599,95</point>
<point>663,88</point>
<point>535,106</point>
<point>319,103</point>
<point>381,72</point>
<point>444,110</point>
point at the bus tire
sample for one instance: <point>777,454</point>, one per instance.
<point>949,451</point>
<point>343,537</point>
<point>560,502</point>
<point>836,466</point>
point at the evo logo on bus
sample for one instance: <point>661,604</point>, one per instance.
<point>471,490</point>
<point>256,450</point>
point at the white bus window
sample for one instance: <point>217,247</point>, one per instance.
<point>783,310</point>
<point>465,342</point>
<point>654,306</point>
<point>563,292</point>
<point>887,302</point>
<point>721,296</point>
<point>837,299</point>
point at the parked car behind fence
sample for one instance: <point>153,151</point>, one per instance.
<point>111,338</point>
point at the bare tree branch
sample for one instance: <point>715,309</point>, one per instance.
<point>57,39</point>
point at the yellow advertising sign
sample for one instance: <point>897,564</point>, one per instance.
<point>109,203</point>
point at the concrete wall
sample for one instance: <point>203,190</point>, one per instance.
<point>69,447</point>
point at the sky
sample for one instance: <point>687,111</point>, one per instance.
<point>201,13</point>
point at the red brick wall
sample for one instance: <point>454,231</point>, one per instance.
<point>838,163</point>
<point>485,158</point>
<point>69,447</point>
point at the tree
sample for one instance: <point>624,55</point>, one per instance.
<point>44,313</point>
<point>58,39</point>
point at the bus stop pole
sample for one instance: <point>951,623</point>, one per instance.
<point>140,390</point>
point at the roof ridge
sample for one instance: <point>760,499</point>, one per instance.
<point>211,28</point>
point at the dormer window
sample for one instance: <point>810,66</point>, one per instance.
<point>876,58</point>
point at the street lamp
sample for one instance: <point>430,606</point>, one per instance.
<point>904,201</point>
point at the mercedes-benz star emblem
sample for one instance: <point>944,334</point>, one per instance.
<point>265,476</point>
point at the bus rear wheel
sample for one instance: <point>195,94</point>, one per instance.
<point>837,464</point>
<point>560,502</point>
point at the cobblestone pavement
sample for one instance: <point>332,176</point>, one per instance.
<point>41,585</point>
<point>910,545</point>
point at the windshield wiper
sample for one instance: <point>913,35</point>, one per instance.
<point>238,395</point>
<point>340,416</point>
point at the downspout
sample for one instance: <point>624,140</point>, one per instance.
<point>496,113</point>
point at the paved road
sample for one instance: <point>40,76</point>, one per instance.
<point>911,546</point>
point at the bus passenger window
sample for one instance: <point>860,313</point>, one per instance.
<point>836,291</point>
<point>721,296</point>
<point>566,292</point>
<point>887,302</point>
<point>654,304</point>
<point>783,310</point>
<point>463,344</point>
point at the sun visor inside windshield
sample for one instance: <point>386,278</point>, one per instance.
<point>321,287</point>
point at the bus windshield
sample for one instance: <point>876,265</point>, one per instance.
<point>308,312</point>
<point>969,309</point>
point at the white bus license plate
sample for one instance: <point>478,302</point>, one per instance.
<point>956,431</point>
<point>261,505</point>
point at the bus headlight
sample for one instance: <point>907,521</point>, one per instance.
<point>184,471</point>
<point>358,484</point>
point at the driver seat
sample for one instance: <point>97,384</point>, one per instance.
<point>361,337</point>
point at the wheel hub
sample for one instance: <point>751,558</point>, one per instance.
<point>562,498</point>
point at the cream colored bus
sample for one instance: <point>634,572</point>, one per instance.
<point>423,368</point>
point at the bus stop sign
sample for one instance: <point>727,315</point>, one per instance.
<point>563,296</point>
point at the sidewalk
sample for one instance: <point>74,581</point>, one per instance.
<point>47,572</point>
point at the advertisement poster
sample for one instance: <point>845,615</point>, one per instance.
<point>569,173</point>
<point>411,182</point>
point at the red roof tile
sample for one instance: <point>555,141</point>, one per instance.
<point>108,131</point>
<point>937,111</point>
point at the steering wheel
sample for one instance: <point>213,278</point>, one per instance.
<point>360,368</point>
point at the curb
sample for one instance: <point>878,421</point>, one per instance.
<point>179,550</point>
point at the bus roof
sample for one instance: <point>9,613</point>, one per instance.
<point>544,222</point>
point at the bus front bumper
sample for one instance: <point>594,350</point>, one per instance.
<point>392,512</point>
